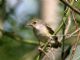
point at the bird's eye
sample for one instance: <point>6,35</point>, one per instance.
<point>34,22</point>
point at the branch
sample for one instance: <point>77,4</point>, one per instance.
<point>12,35</point>
<point>74,9</point>
<point>73,33</point>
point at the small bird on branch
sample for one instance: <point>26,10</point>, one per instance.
<point>43,32</point>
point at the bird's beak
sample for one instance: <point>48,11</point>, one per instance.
<point>28,25</point>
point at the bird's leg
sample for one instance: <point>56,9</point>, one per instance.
<point>43,47</point>
<point>42,51</point>
<point>40,48</point>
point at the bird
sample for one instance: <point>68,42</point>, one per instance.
<point>43,32</point>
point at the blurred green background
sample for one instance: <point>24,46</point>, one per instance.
<point>26,47</point>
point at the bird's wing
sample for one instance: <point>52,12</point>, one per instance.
<point>50,30</point>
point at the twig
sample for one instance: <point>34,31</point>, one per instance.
<point>74,9</point>
<point>74,47</point>
<point>64,19</point>
<point>72,33</point>
<point>78,36</point>
<point>68,25</point>
<point>43,52</point>
<point>46,44</point>
<point>74,20</point>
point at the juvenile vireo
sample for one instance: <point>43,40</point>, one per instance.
<point>43,32</point>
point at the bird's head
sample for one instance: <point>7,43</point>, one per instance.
<point>34,23</point>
